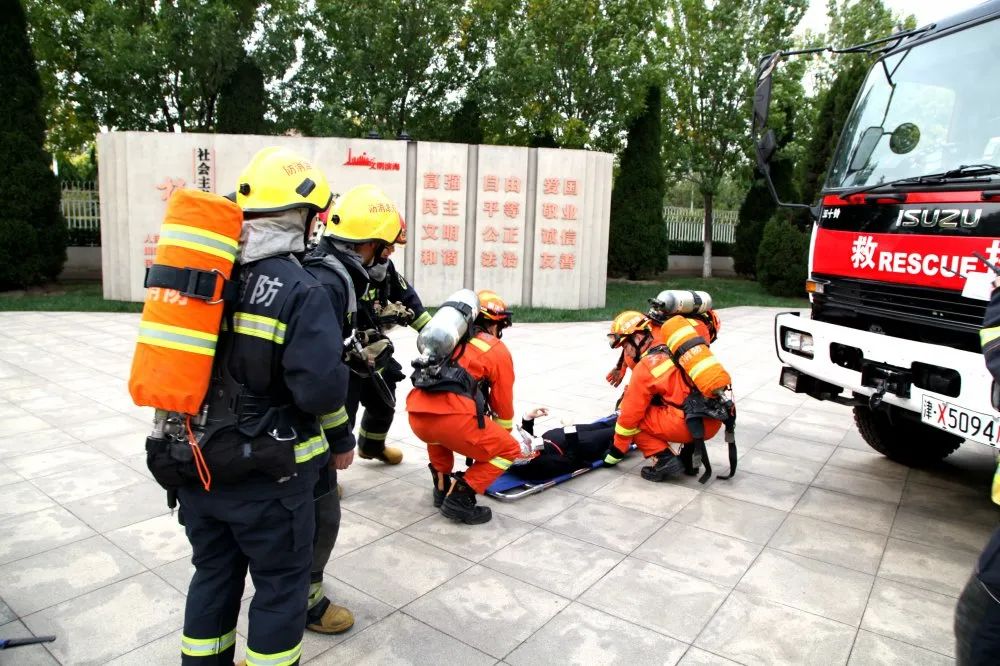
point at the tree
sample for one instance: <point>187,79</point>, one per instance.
<point>575,69</point>
<point>782,263</point>
<point>638,239</point>
<point>243,101</point>
<point>32,230</point>
<point>467,123</point>
<point>710,53</point>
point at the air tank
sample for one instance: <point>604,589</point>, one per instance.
<point>438,339</point>
<point>678,301</point>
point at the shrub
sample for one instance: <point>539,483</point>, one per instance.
<point>782,262</point>
<point>697,248</point>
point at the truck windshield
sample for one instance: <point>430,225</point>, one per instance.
<point>925,110</point>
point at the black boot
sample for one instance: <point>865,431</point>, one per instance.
<point>460,504</point>
<point>665,465</point>
<point>441,482</point>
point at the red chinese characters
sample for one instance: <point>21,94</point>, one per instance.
<point>429,207</point>
<point>449,208</point>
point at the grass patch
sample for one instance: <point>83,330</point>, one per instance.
<point>86,296</point>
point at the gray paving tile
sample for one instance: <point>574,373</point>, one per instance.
<point>110,621</point>
<point>122,507</point>
<point>68,458</point>
<point>851,482</point>
<point>366,609</point>
<point>583,635</point>
<point>39,581</point>
<point>972,504</point>
<point>816,587</point>
<point>19,425</point>
<point>154,541</point>
<point>18,499</point>
<point>829,542</point>
<point>779,466</point>
<point>698,657</point>
<point>33,442</point>
<point>911,615</point>
<point>108,426</point>
<point>6,614</point>
<point>743,520</point>
<point>774,493</point>
<point>822,433</point>
<point>120,446</point>
<point>607,525</point>
<point>9,476</point>
<point>553,562</point>
<point>847,510</point>
<point>473,543</point>
<point>714,557</point>
<point>535,509</point>
<point>758,420</point>
<point>412,642</point>
<point>88,480</point>
<point>35,532</point>
<point>396,503</point>
<point>589,483</point>
<point>660,499</point>
<point>938,531</point>
<point>27,655</point>
<point>934,568</point>
<point>357,531</point>
<point>853,440</point>
<point>398,568</point>
<point>753,630</point>
<point>486,609</point>
<point>868,462</point>
<point>637,591</point>
<point>164,650</point>
<point>874,650</point>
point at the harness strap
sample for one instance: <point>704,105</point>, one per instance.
<point>191,282</point>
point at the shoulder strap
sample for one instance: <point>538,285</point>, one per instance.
<point>337,266</point>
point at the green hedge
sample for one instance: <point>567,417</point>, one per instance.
<point>782,262</point>
<point>697,248</point>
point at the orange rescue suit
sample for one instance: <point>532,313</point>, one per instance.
<point>654,427</point>
<point>447,422</point>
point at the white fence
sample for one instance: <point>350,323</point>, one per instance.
<point>81,205</point>
<point>685,224</point>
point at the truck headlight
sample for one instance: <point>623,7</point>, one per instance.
<point>797,342</point>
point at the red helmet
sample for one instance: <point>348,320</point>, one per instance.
<point>493,308</point>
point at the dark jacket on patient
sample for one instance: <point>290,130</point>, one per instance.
<point>566,452</point>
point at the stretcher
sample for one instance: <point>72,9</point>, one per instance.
<point>510,486</point>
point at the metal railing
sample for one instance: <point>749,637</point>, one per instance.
<point>81,205</point>
<point>686,224</point>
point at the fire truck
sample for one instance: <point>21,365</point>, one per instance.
<point>905,239</point>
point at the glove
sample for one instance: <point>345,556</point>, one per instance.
<point>393,314</point>
<point>616,376</point>
<point>612,457</point>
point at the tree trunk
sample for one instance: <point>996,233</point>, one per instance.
<point>706,266</point>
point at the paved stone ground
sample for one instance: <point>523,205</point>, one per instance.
<point>819,551</point>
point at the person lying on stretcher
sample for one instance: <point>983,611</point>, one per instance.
<point>567,449</point>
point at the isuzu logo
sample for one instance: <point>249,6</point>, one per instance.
<point>946,218</point>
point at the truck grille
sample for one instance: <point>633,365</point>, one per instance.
<point>942,316</point>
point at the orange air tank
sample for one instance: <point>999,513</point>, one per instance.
<point>694,356</point>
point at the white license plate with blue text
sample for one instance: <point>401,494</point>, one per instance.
<point>982,428</point>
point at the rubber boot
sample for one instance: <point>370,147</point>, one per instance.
<point>390,455</point>
<point>329,618</point>
<point>460,504</point>
<point>441,483</point>
<point>665,465</point>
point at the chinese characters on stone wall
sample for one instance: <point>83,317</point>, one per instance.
<point>204,169</point>
<point>557,229</point>
<point>440,210</point>
<point>501,222</point>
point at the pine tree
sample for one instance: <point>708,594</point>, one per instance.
<point>467,123</point>
<point>638,237</point>
<point>32,230</point>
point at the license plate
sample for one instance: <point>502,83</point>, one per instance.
<point>982,428</point>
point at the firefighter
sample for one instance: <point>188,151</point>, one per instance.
<point>450,421</point>
<point>651,413</point>
<point>389,301</point>
<point>280,369</point>
<point>361,224</point>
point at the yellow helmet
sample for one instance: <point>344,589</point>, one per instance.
<point>626,324</point>
<point>364,213</point>
<point>279,179</point>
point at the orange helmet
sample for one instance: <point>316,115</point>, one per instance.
<point>627,324</point>
<point>493,308</point>
<point>401,238</point>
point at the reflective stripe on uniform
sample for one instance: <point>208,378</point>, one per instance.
<point>200,240</point>
<point>206,647</point>
<point>611,460</point>
<point>286,658</point>
<point>504,423</point>
<point>310,448</point>
<point>679,335</point>
<point>259,326</point>
<point>315,593</point>
<point>376,436</point>
<point>626,432</point>
<point>662,367</point>
<point>421,321</point>
<point>333,419</point>
<point>988,335</point>
<point>702,365</point>
<point>175,337</point>
<point>502,463</point>
<point>479,344</point>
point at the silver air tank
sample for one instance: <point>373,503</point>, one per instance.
<point>679,301</point>
<point>438,339</point>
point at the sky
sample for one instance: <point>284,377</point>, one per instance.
<point>926,11</point>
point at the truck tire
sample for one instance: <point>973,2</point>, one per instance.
<point>902,438</point>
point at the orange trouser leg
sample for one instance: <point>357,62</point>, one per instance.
<point>663,425</point>
<point>491,447</point>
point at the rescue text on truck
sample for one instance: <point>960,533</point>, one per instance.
<point>910,209</point>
